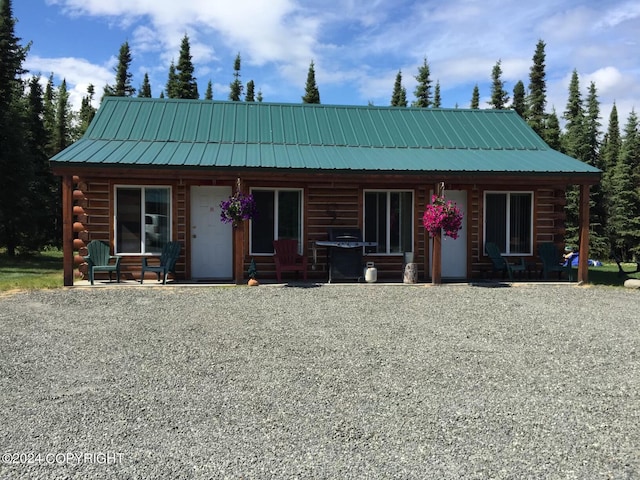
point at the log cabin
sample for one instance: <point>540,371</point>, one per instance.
<point>152,170</point>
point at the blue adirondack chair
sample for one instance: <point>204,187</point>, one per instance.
<point>168,259</point>
<point>99,260</point>
<point>500,264</point>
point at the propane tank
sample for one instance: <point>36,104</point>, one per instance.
<point>370,273</point>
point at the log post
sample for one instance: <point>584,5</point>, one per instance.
<point>436,272</point>
<point>67,230</point>
<point>583,259</point>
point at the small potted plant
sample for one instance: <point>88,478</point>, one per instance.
<point>252,272</point>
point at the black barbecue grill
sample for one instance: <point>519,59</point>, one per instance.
<point>344,254</point>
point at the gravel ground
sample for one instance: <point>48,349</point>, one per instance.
<point>332,382</point>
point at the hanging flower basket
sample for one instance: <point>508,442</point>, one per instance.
<point>237,208</point>
<point>442,216</point>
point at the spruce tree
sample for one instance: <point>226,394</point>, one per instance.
<point>423,88</point>
<point>250,96</point>
<point>172,82</point>
<point>12,145</point>
<point>145,89</point>
<point>122,87</point>
<point>475,97</point>
<point>43,225</point>
<point>399,96</point>
<point>236,86</point>
<point>624,213</point>
<point>62,133</point>
<point>611,146</point>
<point>437,100</point>
<point>208,94</point>
<point>499,96</point>
<point>519,104</point>
<point>311,92</point>
<point>537,98</point>
<point>49,116</point>
<point>186,85</point>
<point>551,134</point>
<point>86,113</point>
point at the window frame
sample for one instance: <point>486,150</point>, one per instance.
<point>142,188</point>
<point>388,193</point>
<point>276,191</point>
<point>508,194</point>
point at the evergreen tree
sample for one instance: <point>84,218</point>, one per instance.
<point>612,142</point>
<point>575,143</point>
<point>12,148</point>
<point>551,134</point>
<point>62,132</point>
<point>208,94</point>
<point>186,85</point>
<point>475,97</point>
<point>312,94</point>
<point>43,225</point>
<point>611,146</point>
<point>172,87</point>
<point>598,212</point>
<point>86,113</point>
<point>145,89</point>
<point>499,96</point>
<point>624,211</point>
<point>49,116</point>
<point>399,96</point>
<point>250,96</point>
<point>437,101</point>
<point>537,98</point>
<point>519,104</point>
<point>236,86</point>
<point>123,87</point>
<point>259,97</point>
<point>423,88</point>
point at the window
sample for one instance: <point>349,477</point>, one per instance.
<point>278,216</point>
<point>508,221</point>
<point>388,220</point>
<point>142,219</point>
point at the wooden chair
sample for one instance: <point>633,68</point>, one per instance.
<point>553,261</point>
<point>287,258</point>
<point>168,259</point>
<point>500,264</point>
<point>99,260</point>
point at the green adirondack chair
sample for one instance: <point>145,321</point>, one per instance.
<point>168,259</point>
<point>500,264</point>
<point>552,261</point>
<point>99,260</point>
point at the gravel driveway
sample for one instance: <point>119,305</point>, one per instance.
<point>332,382</point>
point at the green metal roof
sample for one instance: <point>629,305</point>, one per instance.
<point>199,133</point>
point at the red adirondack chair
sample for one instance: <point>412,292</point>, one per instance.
<point>287,258</point>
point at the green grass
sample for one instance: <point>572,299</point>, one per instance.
<point>29,272</point>
<point>608,274</point>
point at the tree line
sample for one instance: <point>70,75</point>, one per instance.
<point>37,124</point>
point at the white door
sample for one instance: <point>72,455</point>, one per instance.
<point>454,252</point>
<point>211,240</point>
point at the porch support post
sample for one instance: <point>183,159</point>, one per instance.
<point>67,230</point>
<point>436,262</point>
<point>583,259</point>
<point>238,253</point>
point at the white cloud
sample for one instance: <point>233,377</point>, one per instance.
<point>77,72</point>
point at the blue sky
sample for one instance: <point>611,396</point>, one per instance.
<point>357,46</point>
